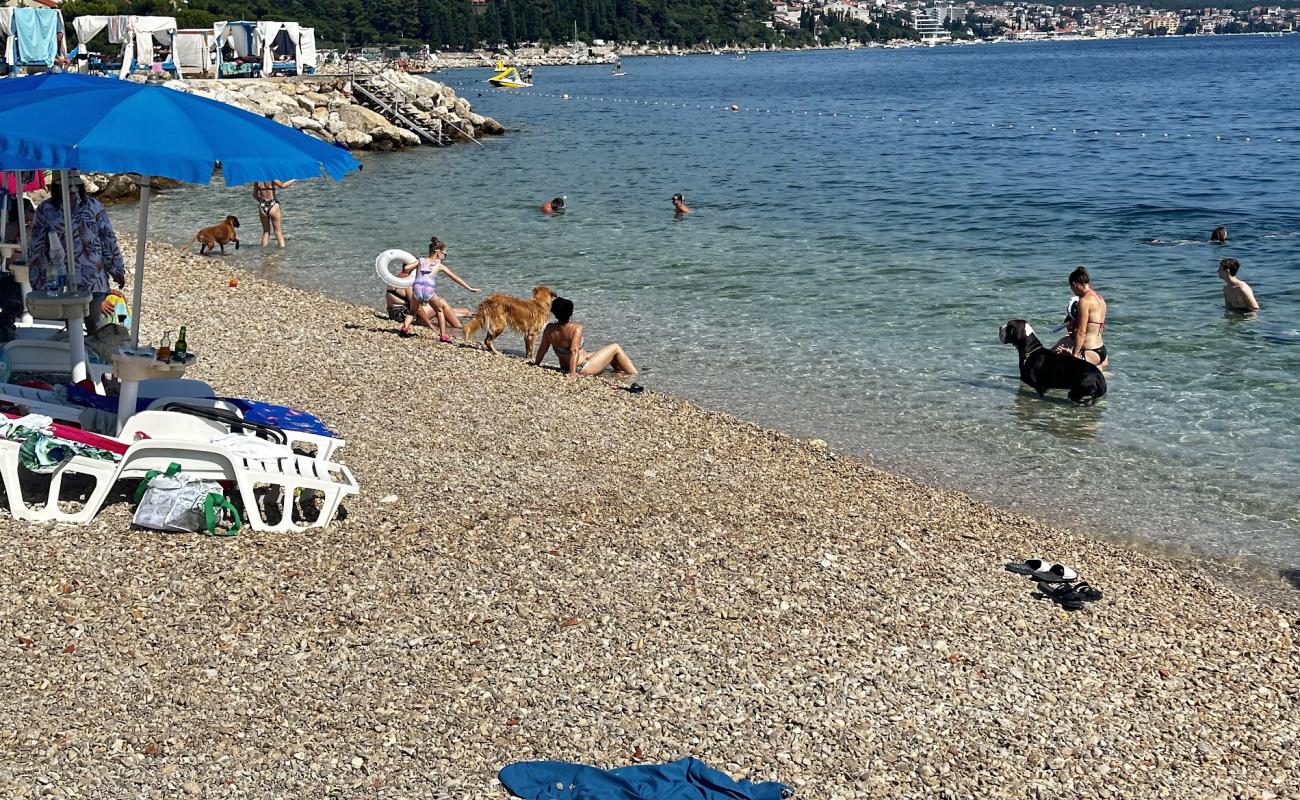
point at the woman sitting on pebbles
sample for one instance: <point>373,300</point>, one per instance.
<point>566,338</point>
<point>422,298</point>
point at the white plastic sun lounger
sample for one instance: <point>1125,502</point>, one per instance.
<point>287,473</point>
<point>104,474</point>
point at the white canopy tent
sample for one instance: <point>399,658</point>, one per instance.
<point>52,20</point>
<point>192,50</point>
<point>268,42</point>
<point>137,35</point>
<point>275,45</point>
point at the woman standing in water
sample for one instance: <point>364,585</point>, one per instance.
<point>268,209</point>
<point>1090,322</point>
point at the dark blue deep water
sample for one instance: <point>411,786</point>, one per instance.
<point>861,228</point>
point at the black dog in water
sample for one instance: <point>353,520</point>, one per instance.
<point>1045,369</point>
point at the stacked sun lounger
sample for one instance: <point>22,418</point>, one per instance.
<point>208,438</point>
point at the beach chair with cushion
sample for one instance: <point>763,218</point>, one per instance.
<point>304,442</point>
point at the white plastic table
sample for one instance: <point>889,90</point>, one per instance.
<point>72,307</point>
<point>141,365</point>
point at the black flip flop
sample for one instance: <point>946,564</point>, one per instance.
<point>1027,567</point>
<point>1087,591</point>
<point>1061,594</point>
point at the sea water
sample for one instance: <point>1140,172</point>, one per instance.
<point>863,225</point>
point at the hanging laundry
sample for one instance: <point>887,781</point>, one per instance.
<point>36,34</point>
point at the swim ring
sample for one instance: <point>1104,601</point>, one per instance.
<point>387,259</point>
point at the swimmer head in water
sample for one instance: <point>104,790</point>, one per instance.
<point>1219,235</point>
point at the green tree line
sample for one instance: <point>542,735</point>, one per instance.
<point>455,24</point>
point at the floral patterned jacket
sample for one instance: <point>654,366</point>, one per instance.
<point>95,250</point>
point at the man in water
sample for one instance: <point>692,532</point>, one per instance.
<point>1237,295</point>
<point>553,206</point>
<point>679,204</point>
<point>1219,235</point>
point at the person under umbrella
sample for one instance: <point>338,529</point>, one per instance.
<point>96,255</point>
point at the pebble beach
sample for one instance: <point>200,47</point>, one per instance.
<point>572,571</point>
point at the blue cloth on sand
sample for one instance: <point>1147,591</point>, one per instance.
<point>36,30</point>
<point>686,779</point>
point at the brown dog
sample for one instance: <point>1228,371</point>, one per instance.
<point>501,311</point>
<point>216,235</point>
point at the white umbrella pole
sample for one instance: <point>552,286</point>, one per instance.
<point>68,270</point>
<point>26,281</point>
<point>140,234</point>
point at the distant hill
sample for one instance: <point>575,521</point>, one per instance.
<point>459,25</point>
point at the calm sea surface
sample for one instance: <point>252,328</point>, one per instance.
<point>847,265</point>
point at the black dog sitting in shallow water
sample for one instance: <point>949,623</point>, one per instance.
<point>1044,369</point>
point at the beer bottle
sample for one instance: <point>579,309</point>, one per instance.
<point>181,349</point>
<point>165,347</point>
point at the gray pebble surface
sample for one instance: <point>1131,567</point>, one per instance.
<point>574,572</point>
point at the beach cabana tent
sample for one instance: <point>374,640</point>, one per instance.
<point>237,39</point>
<point>192,50</point>
<point>268,42</point>
<point>119,126</point>
<point>31,37</point>
<point>137,35</point>
<point>279,40</point>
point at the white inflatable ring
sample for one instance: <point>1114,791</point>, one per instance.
<point>387,259</point>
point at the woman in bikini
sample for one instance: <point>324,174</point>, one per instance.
<point>566,339</point>
<point>1090,322</point>
<point>268,209</point>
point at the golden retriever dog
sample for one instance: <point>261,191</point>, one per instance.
<point>216,235</point>
<point>501,311</point>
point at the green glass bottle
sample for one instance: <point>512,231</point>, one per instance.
<point>181,349</point>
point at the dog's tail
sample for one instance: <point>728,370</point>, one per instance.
<point>186,246</point>
<point>472,325</point>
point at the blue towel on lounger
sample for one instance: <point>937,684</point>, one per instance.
<point>686,779</point>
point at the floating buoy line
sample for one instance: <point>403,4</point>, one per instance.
<point>1086,132</point>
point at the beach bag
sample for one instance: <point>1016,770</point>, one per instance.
<point>175,502</point>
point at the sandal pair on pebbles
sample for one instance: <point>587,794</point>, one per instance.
<point>1057,582</point>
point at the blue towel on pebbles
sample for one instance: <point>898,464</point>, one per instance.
<point>687,779</point>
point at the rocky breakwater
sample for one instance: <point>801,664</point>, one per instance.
<point>336,111</point>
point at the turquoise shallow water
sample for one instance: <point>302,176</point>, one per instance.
<point>846,269</point>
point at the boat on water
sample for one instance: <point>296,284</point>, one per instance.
<point>509,78</point>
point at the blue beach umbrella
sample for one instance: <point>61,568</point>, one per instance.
<point>65,121</point>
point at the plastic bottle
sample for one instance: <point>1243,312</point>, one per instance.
<point>181,349</point>
<point>165,347</point>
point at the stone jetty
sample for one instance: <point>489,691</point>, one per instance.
<point>329,109</point>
